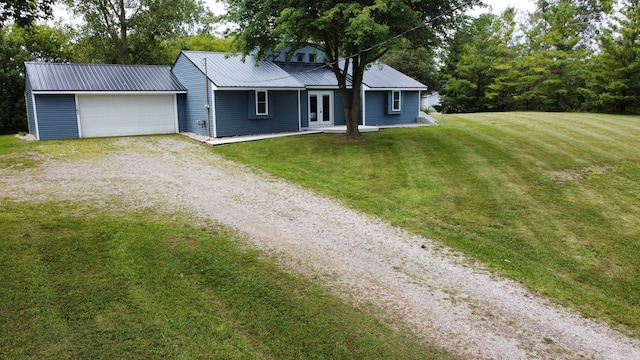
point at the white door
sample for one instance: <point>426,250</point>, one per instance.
<point>121,115</point>
<point>320,108</point>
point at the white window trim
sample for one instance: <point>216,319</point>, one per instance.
<point>266,100</point>
<point>393,100</point>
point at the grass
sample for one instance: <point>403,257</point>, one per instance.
<point>87,282</point>
<point>551,200</point>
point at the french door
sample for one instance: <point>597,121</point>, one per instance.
<point>320,108</point>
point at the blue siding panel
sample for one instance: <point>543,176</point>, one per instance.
<point>304,108</point>
<point>182,112</point>
<point>232,117</point>
<point>194,101</point>
<point>57,117</point>
<point>377,103</point>
<point>338,112</point>
<point>31,114</point>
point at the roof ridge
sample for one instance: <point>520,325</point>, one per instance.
<point>92,65</point>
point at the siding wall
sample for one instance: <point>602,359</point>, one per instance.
<point>232,116</point>
<point>377,104</point>
<point>57,117</point>
<point>194,101</point>
<point>31,115</point>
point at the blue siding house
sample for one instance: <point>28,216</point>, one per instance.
<point>208,93</point>
<point>230,95</point>
<point>227,96</point>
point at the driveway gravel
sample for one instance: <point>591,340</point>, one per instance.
<point>444,297</point>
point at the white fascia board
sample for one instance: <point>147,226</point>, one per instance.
<point>108,92</point>
<point>320,87</point>
<point>260,88</point>
<point>396,89</point>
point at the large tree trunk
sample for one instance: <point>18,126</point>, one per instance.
<point>351,100</point>
<point>123,52</point>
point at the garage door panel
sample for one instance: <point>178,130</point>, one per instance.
<point>121,115</point>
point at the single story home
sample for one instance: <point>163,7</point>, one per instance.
<point>213,94</point>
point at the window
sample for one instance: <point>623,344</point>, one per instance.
<point>312,58</point>
<point>300,57</point>
<point>262,102</point>
<point>396,104</point>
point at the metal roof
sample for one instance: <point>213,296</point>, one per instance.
<point>381,76</point>
<point>311,74</point>
<point>227,70</point>
<point>101,77</point>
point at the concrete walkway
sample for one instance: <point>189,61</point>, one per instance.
<point>341,129</point>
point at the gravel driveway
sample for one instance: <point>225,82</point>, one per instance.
<point>444,297</point>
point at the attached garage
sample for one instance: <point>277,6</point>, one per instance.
<point>96,100</point>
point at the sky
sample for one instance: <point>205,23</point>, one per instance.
<point>497,5</point>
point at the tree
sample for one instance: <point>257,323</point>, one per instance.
<point>613,84</point>
<point>24,12</point>
<point>352,34</point>
<point>556,57</point>
<point>417,62</point>
<point>478,70</point>
<point>18,45</point>
<point>133,31</point>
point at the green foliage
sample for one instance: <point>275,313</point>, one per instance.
<point>18,45</point>
<point>134,32</point>
<point>92,282</point>
<point>614,79</point>
<point>548,199</point>
<point>418,63</point>
<point>24,12</point>
<point>478,65</point>
<point>556,64</point>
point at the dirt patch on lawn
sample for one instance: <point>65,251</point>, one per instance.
<point>581,173</point>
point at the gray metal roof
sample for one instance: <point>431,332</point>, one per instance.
<point>229,71</point>
<point>101,77</point>
<point>311,74</point>
<point>381,76</point>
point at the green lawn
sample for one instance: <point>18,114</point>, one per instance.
<point>85,281</point>
<point>549,199</point>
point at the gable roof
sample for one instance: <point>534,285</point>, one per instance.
<point>59,77</point>
<point>226,70</point>
<point>382,76</point>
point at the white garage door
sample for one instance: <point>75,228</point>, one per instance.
<point>120,115</point>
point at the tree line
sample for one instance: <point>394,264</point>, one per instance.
<point>565,56</point>
<point>98,31</point>
<point>568,55</point>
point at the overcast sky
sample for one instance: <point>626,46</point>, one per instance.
<point>496,5</point>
